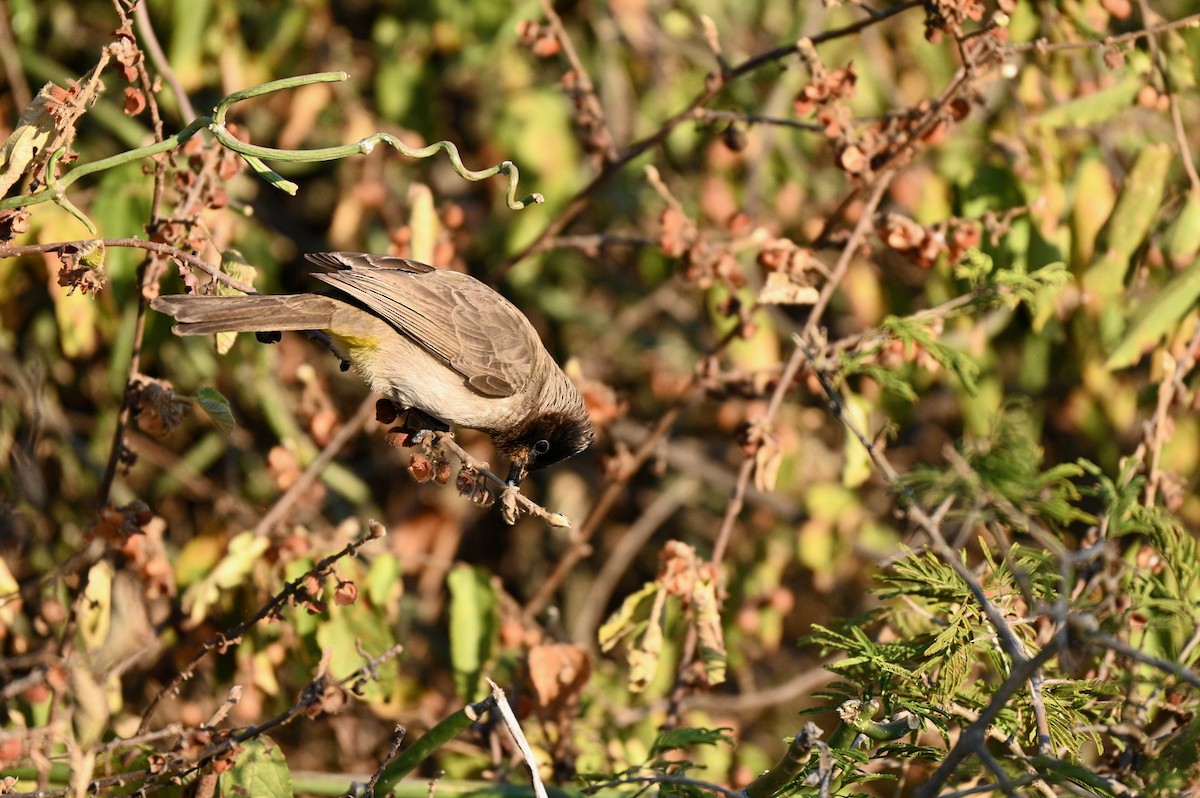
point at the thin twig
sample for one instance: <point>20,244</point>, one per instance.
<point>230,637</point>
<point>150,43</point>
<point>518,736</point>
<point>974,737</point>
<point>150,246</point>
<point>587,99</point>
<point>579,202</point>
<point>397,738</point>
<point>1042,46</point>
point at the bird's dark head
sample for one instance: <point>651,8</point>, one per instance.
<point>543,440</point>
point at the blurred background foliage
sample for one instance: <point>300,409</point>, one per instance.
<point>1063,156</point>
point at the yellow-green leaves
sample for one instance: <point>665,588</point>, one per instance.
<point>216,405</point>
<point>243,553</point>
<point>1129,223</point>
<point>642,618</point>
<point>474,625</point>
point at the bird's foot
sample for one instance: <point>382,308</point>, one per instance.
<point>324,339</point>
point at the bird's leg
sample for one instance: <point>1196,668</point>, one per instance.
<point>322,338</point>
<point>413,419</point>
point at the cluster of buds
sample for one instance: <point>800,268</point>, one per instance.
<point>116,525</point>
<point>156,406</point>
<point>924,244</point>
<point>948,17</point>
<point>474,486</point>
<point>792,273</point>
<point>205,160</point>
<point>826,87</point>
<point>424,469</point>
<point>82,268</point>
<point>538,38</point>
<point>703,262</point>
<point>200,181</point>
<point>126,53</point>
<point>310,588</point>
<point>431,463</point>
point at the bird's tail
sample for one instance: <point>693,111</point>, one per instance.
<point>205,315</point>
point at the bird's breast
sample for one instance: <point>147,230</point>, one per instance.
<point>409,375</point>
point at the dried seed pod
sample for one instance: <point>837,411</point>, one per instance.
<point>420,468</point>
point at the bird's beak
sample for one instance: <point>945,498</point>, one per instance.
<point>520,467</point>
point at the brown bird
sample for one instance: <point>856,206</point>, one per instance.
<point>432,340</point>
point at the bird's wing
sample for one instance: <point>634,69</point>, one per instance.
<point>458,319</point>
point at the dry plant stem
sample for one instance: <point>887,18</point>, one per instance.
<point>159,58</point>
<point>366,411</point>
<point>309,697</point>
<point>712,89</point>
<point>1042,46</point>
<point>445,440</point>
<point>711,115</point>
<point>1157,429</point>
<point>1181,137</point>
<point>117,448</point>
<point>1176,669</point>
<point>1008,639</point>
<point>580,548</point>
<point>684,781</point>
<point>750,703</point>
<point>150,246</point>
<point>230,637</point>
<point>177,770</point>
<point>518,736</point>
<point>799,354</point>
<point>987,788</point>
<point>397,738</point>
<point>583,79</point>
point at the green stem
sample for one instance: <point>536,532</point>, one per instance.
<point>275,85</point>
<point>431,741</point>
<point>254,154</point>
<point>787,768</point>
<point>48,194</point>
<point>60,198</point>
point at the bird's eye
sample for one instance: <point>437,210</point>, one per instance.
<point>541,447</point>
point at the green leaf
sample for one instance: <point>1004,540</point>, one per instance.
<point>473,627</point>
<point>1157,317</point>
<point>1182,238</point>
<point>685,737</point>
<point>423,222</point>
<point>259,772</point>
<point>383,578</point>
<point>244,551</point>
<point>346,631</point>
<point>214,403</point>
<point>1140,202</point>
<point>630,618</point>
<point>1092,108</point>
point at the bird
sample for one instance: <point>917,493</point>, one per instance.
<point>432,340</point>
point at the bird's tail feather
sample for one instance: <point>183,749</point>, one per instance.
<point>206,315</point>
